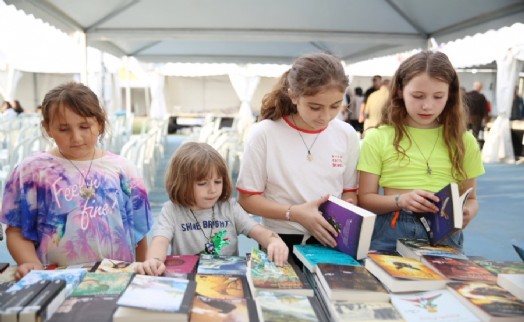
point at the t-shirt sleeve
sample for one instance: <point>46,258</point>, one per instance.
<point>243,221</point>
<point>252,174</point>
<point>165,223</point>
<point>370,159</point>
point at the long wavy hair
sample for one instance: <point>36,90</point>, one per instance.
<point>453,118</point>
<point>309,75</point>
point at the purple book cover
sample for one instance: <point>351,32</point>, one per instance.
<point>353,224</point>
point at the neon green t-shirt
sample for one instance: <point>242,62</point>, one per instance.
<point>378,156</point>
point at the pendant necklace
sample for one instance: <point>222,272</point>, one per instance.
<point>209,246</point>
<point>429,171</point>
<point>86,191</point>
<point>309,155</point>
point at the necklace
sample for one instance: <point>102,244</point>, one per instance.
<point>209,246</point>
<point>86,191</point>
<point>428,168</point>
<point>309,155</point>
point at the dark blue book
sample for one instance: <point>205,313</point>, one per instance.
<point>449,218</point>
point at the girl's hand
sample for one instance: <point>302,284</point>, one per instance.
<point>25,268</point>
<point>152,266</point>
<point>277,250</point>
<point>418,201</point>
<point>468,216</point>
<point>308,215</point>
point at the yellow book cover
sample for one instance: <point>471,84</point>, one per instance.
<point>403,267</point>
<point>222,286</point>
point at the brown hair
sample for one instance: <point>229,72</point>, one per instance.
<point>78,98</point>
<point>309,74</point>
<point>192,162</point>
<point>453,117</point>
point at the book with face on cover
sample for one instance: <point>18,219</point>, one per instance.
<point>206,309</point>
<point>353,224</point>
<point>458,269</point>
<point>415,248</point>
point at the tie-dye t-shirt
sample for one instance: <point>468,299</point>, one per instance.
<point>42,198</point>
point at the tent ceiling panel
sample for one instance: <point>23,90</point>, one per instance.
<point>269,31</point>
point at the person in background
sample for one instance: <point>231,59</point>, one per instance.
<point>375,104</point>
<point>420,146</point>
<point>477,108</point>
<point>300,153</point>
<point>75,203</point>
<point>17,107</point>
<point>201,218</point>
<point>7,112</point>
<point>376,82</point>
<point>354,109</point>
<point>517,108</point>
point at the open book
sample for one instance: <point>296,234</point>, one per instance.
<point>449,218</point>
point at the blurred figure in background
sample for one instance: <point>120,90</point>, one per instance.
<point>477,107</point>
<point>517,109</point>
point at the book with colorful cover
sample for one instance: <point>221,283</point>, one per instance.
<point>449,218</point>
<point>351,283</point>
<point>206,309</point>
<point>72,276</point>
<point>353,224</point>
<point>514,283</point>
<point>180,265</point>
<point>275,306</point>
<point>312,254</point>
<point>87,308</point>
<point>222,265</point>
<point>114,265</point>
<point>403,274</point>
<point>222,286</point>
<point>438,305</point>
<point>415,248</point>
<point>264,275</point>
<point>103,284</point>
<point>501,267</point>
<point>487,301</point>
<point>458,269</point>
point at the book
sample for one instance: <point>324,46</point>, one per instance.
<point>72,276</point>
<point>342,311</point>
<point>312,254</point>
<point>5,285</point>
<point>222,286</point>
<point>275,306</point>
<point>350,283</point>
<point>155,298</point>
<point>264,275</point>
<point>113,265</point>
<point>449,218</point>
<point>222,265</point>
<point>180,265</point>
<point>222,310</point>
<point>458,269</point>
<point>353,224</point>
<point>489,302</point>
<point>416,248</point>
<point>44,305</point>
<point>438,305</point>
<point>501,267</point>
<point>87,308</point>
<point>103,284</point>
<point>514,283</point>
<point>13,301</point>
<point>402,274</point>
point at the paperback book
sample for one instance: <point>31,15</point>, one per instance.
<point>514,283</point>
<point>312,254</point>
<point>501,267</point>
<point>402,274</point>
<point>13,301</point>
<point>449,218</point>
<point>72,276</point>
<point>416,248</point>
<point>274,306</point>
<point>343,311</point>
<point>87,308</point>
<point>181,265</point>
<point>113,265</point>
<point>206,309</point>
<point>458,269</point>
<point>44,305</point>
<point>222,265</point>
<point>353,224</point>
<point>222,286</point>
<point>103,284</point>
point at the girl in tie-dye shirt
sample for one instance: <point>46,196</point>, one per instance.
<point>76,203</point>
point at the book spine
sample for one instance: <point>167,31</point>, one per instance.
<point>42,307</point>
<point>9,310</point>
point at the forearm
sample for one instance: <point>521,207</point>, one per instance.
<point>141,250</point>
<point>21,249</point>
<point>261,206</point>
<point>158,248</point>
<point>379,204</point>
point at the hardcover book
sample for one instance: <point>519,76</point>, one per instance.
<point>44,305</point>
<point>72,276</point>
<point>264,275</point>
<point>312,255</point>
<point>449,218</point>
<point>350,283</point>
<point>438,305</point>
<point>416,248</point>
<point>402,274</point>
<point>103,284</point>
<point>222,265</point>
<point>113,265</point>
<point>181,265</point>
<point>489,302</point>
<point>458,269</point>
<point>87,308</point>
<point>501,267</point>
<point>353,224</point>
<point>222,310</point>
<point>514,283</point>
<point>274,306</point>
<point>222,286</point>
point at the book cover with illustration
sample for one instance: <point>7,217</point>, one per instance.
<point>353,224</point>
<point>342,311</point>
<point>265,275</point>
<point>489,302</point>
<point>113,265</point>
<point>72,276</point>
<point>103,284</point>
<point>312,254</point>
<point>501,267</point>
<point>458,269</point>
<point>222,286</point>
<point>88,308</point>
<point>438,305</point>
<point>222,265</point>
<point>449,218</point>
<point>415,248</point>
<point>206,309</point>
<point>274,306</point>
<point>180,265</point>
